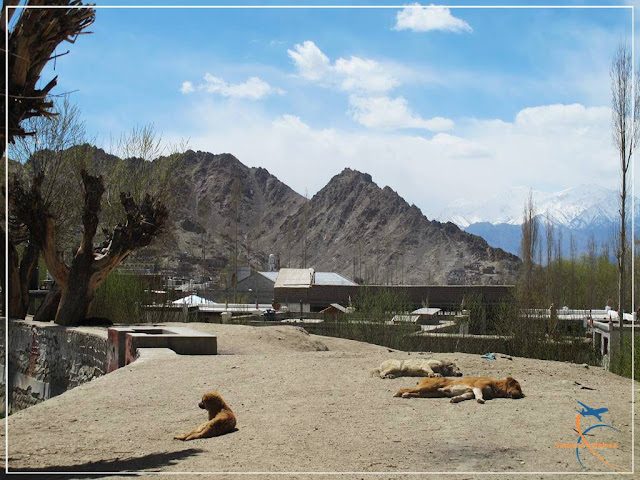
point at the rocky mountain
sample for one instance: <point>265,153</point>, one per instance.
<point>371,234</point>
<point>351,226</point>
<point>205,206</point>
<point>221,208</point>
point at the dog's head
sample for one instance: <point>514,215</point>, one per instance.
<point>513,389</point>
<point>447,369</point>
<point>212,402</point>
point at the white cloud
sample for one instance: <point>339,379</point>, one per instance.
<point>392,113</point>
<point>574,116</point>
<point>367,82</point>
<point>352,75</point>
<point>547,148</point>
<point>360,74</point>
<point>187,87</point>
<point>311,62</point>
<point>254,88</point>
<point>425,19</point>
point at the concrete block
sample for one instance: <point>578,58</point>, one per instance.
<point>126,341</point>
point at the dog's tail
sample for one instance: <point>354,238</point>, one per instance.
<point>375,371</point>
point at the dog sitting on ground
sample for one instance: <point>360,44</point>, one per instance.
<point>459,389</point>
<point>417,367</point>
<point>221,418</point>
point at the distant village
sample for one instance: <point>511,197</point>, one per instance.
<point>292,289</point>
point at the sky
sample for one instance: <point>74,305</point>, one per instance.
<point>437,103</point>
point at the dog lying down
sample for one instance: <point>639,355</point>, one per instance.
<point>417,367</point>
<point>221,419</point>
<point>459,389</point>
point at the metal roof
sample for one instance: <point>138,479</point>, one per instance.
<point>426,311</point>
<point>337,306</point>
<point>405,318</point>
<point>294,277</point>
<point>273,276</point>
<point>305,277</point>
<point>193,300</point>
<point>331,278</point>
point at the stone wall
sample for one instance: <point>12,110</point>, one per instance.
<point>3,380</point>
<point>46,359</point>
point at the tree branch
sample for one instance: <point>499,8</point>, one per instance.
<point>93,190</point>
<point>143,222</point>
<point>32,42</point>
<point>28,208</point>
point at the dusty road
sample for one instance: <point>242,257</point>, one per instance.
<point>307,403</point>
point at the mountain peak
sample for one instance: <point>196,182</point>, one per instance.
<point>351,175</point>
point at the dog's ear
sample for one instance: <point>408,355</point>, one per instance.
<point>512,382</point>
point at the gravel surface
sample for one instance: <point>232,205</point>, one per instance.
<point>307,403</point>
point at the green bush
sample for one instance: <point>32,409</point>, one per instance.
<point>121,298</point>
<point>504,328</point>
<point>622,364</point>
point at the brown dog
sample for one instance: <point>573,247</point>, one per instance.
<point>221,418</point>
<point>466,388</point>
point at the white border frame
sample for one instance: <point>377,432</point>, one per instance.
<point>299,7</point>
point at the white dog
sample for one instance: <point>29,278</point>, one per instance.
<point>417,367</point>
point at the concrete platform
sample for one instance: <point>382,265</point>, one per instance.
<point>124,342</point>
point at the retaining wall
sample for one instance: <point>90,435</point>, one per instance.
<point>46,359</point>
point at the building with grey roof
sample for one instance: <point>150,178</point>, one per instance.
<point>260,285</point>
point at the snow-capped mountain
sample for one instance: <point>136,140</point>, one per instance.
<point>576,207</point>
<point>579,212</point>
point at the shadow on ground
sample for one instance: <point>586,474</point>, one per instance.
<point>152,461</point>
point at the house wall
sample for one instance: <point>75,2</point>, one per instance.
<point>46,359</point>
<point>259,285</point>
<point>603,333</point>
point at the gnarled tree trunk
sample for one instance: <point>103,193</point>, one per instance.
<point>49,307</point>
<point>28,264</point>
<point>90,266</point>
<point>32,42</point>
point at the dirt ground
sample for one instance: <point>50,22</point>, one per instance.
<point>308,405</point>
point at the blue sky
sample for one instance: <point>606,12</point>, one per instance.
<point>436,103</point>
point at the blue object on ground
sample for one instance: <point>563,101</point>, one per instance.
<point>489,356</point>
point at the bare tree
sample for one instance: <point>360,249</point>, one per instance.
<point>549,244</point>
<point>573,257</point>
<point>528,246</point>
<point>559,270</point>
<point>289,242</point>
<point>90,265</point>
<point>625,108</point>
<point>48,152</point>
<point>33,39</point>
<point>592,270</point>
<point>140,177</point>
<point>143,164</point>
<point>55,150</point>
<point>236,193</point>
<point>305,228</point>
